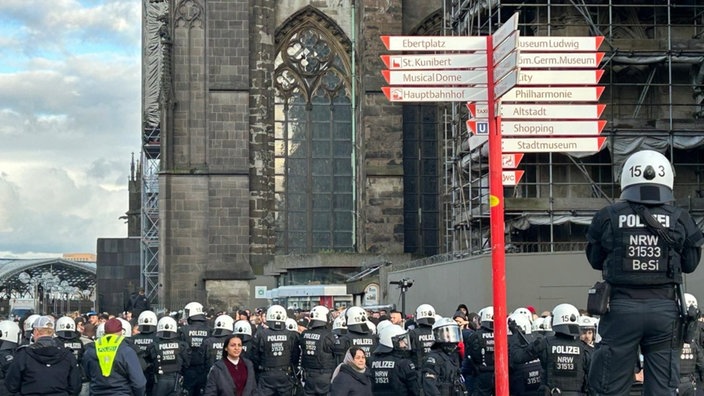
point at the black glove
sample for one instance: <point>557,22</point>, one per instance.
<point>514,327</point>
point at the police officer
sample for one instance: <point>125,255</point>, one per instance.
<point>339,326</point>
<point>393,372</point>
<point>317,353</point>
<point>276,352</point>
<point>358,334</point>
<point>642,244</point>
<point>170,356</point>
<point>244,329</point>
<point>440,373</point>
<point>524,378</point>
<point>422,334</point>
<point>212,347</point>
<point>10,337</point>
<point>563,356</point>
<point>193,334</point>
<point>480,353</point>
<point>67,337</point>
<point>27,327</point>
<point>691,369</point>
<point>146,325</point>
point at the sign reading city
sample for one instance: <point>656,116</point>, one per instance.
<point>560,77</point>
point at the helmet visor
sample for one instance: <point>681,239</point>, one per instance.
<point>402,342</point>
<point>450,334</point>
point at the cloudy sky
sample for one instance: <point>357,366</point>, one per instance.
<point>69,122</point>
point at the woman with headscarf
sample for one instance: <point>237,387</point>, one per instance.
<point>351,377</point>
<point>233,375</point>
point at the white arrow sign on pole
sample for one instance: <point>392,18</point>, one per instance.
<point>546,111</point>
<point>511,177</point>
<point>434,94</point>
<point>583,60</point>
<point>561,77</point>
<point>435,77</point>
<point>552,128</point>
<point>552,144</point>
<point>559,43</point>
<point>508,82</point>
<point>434,43</point>
<point>553,94</point>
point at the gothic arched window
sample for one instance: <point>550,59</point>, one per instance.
<point>313,139</point>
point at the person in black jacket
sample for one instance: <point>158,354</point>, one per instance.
<point>233,374</point>
<point>440,372</point>
<point>10,338</point>
<point>352,377</point>
<point>43,368</point>
<point>393,372</point>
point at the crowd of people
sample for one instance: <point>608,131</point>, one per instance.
<point>277,351</point>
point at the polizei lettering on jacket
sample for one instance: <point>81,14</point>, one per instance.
<point>275,338</point>
<point>363,341</point>
<point>566,349</point>
<point>643,251</point>
<point>383,364</point>
<point>311,336</point>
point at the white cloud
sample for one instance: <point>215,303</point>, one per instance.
<point>70,118</point>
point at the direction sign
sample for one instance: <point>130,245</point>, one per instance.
<point>506,65</point>
<point>434,43</point>
<point>545,111</point>
<point>552,128</point>
<point>505,48</point>
<point>506,83</point>
<point>559,43</point>
<point>434,94</point>
<point>584,60</point>
<point>434,77</point>
<point>478,110</point>
<point>511,177</point>
<point>478,127</point>
<point>560,77</point>
<point>553,94</point>
<point>435,61</point>
<point>510,26</point>
<point>511,161</point>
<point>476,141</point>
<point>552,144</point>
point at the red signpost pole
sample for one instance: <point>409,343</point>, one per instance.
<point>498,252</point>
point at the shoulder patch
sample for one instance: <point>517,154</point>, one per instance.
<point>430,360</point>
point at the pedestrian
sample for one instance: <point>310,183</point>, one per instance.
<point>352,377</point>
<point>358,333</point>
<point>146,328</point>
<point>642,244</point>
<point>138,303</point>
<point>479,352</point>
<point>69,338</point>
<point>233,374</point>
<point>112,366</point>
<point>43,368</point>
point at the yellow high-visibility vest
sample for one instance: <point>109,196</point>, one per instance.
<point>106,350</point>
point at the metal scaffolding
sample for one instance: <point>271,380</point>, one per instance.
<point>654,92</point>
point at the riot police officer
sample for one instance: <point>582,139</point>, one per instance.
<point>339,326</point>
<point>358,334</point>
<point>393,372</point>
<point>317,353</point>
<point>244,329</point>
<point>193,334</point>
<point>642,244</point>
<point>440,373</point>
<point>524,378</point>
<point>27,327</point>
<point>422,335</point>
<point>171,357</point>
<point>212,346</point>
<point>10,338</point>
<point>480,353</point>
<point>276,351</point>
<point>563,356</point>
<point>67,337</point>
<point>146,325</point>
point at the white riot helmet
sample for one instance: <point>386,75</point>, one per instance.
<point>394,337</point>
<point>522,322</point>
<point>565,319</point>
<point>224,324</point>
<point>486,317</point>
<point>100,330</point>
<point>291,324</point>
<point>372,327</point>
<point>147,322</point>
<point>382,324</point>
<point>446,330</point>
<point>126,327</point>
<point>425,315</point>
<point>10,331</point>
<point>193,310</point>
<point>525,312</point>
<point>647,177</point>
<point>587,322</point>
<point>65,328</point>
<point>542,325</point>
<point>356,319</point>
<point>319,316</point>
<point>339,326</point>
<point>243,328</point>
<point>166,328</point>
<point>690,300</point>
<point>276,317</point>
<point>29,322</point>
